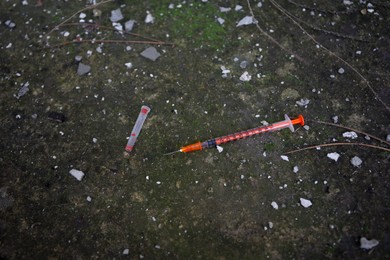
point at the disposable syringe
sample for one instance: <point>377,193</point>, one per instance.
<point>137,128</point>
<point>287,123</point>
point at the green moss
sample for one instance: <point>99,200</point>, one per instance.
<point>195,23</point>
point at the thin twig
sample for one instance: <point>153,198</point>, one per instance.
<point>288,15</point>
<point>352,129</point>
<point>76,13</point>
<point>273,39</point>
<point>108,28</point>
<point>338,144</point>
<point>109,41</point>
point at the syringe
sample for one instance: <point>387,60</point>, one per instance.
<point>287,123</point>
<point>137,128</point>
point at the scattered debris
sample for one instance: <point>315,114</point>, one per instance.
<point>341,71</point>
<point>334,156</point>
<point>368,244</point>
<point>151,53</point>
<point>89,199</point>
<point>295,169</point>
<point>335,119</point>
<point>303,102</point>
<point>305,203</point>
<point>356,161</point>
<point>247,20</point>
<point>149,17</point>
<point>10,24</point>
<point>116,15</point>
<point>220,148</point>
<point>245,76</point>
<point>77,174</point>
<point>83,69</point>
<point>126,251</point>
<point>225,71</point>
<point>274,205</point>
<point>129,65</point>
<point>23,90</point>
<point>284,157</point>
<point>224,9</point>
<point>129,25</point>
<point>351,135</point>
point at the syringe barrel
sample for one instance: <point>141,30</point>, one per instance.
<point>287,123</point>
<point>137,128</point>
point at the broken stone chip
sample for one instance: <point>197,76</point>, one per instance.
<point>83,69</point>
<point>368,244</point>
<point>77,174</point>
<point>151,53</point>
<point>116,15</point>
<point>305,203</point>
<point>129,25</point>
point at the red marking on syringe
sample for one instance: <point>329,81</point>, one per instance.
<point>137,128</point>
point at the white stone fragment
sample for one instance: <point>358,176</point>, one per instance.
<point>274,205</point>
<point>247,20</point>
<point>284,157</point>
<point>126,251</point>
<point>305,203</point>
<point>118,26</point>
<point>82,15</point>
<point>89,199</point>
<point>77,174</point>
<point>368,244</point>
<point>295,169</point>
<point>270,224</point>
<point>245,76</point>
<point>341,71</point>
<point>347,2</point>
<point>129,65</point>
<point>356,161</point>
<point>220,20</point>
<point>238,8</point>
<point>116,15</point>
<point>220,149</point>
<point>149,17</point>
<point>66,34</point>
<point>129,25</point>
<point>303,102</point>
<point>351,135</point>
<point>10,24</point>
<point>334,156</point>
<point>335,119</point>
<point>224,9</point>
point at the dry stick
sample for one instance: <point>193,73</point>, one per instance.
<point>113,29</point>
<point>338,144</point>
<point>273,39</point>
<point>108,41</point>
<point>286,13</point>
<point>352,129</point>
<point>73,15</point>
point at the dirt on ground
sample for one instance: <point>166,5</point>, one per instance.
<point>75,73</point>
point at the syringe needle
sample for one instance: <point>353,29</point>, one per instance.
<point>178,151</point>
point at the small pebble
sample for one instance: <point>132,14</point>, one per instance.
<point>305,203</point>
<point>356,161</point>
